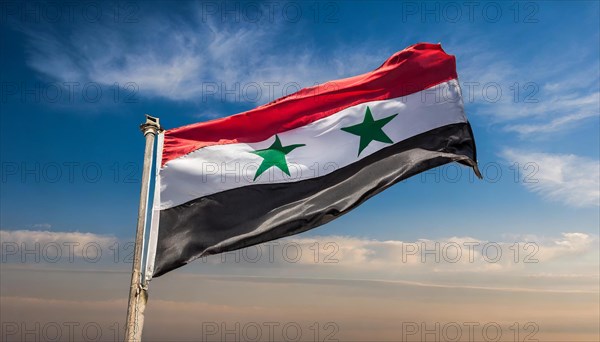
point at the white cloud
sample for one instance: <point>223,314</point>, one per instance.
<point>454,253</point>
<point>427,261</point>
<point>547,95</point>
<point>345,251</point>
<point>549,127</point>
<point>41,236</point>
<point>35,246</point>
<point>566,178</point>
<point>42,226</point>
<point>513,264</point>
<point>571,243</point>
<point>186,57</point>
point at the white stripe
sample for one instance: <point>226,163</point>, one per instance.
<point>151,253</point>
<point>223,167</point>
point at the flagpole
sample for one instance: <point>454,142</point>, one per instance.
<point>138,295</point>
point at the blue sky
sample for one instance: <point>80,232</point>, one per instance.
<point>176,61</point>
<point>77,78</point>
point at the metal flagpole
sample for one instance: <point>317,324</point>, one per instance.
<point>137,293</point>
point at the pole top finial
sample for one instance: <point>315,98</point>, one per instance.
<point>152,125</point>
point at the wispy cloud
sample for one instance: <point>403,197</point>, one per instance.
<point>42,226</point>
<point>545,95</point>
<point>187,57</point>
<point>552,126</point>
<point>28,237</point>
<point>46,247</point>
<point>565,178</point>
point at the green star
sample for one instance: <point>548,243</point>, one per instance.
<point>274,156</point>
<point>370,130</point>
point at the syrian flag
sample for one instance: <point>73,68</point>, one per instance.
<point>305,159</point>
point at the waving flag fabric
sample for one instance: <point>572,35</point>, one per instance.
<point>305,159</point>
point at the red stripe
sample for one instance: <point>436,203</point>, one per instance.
<point>413,69</point>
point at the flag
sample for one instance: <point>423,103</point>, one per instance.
<point>305,159</point>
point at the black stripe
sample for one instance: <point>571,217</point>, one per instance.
<point>271,211</point>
